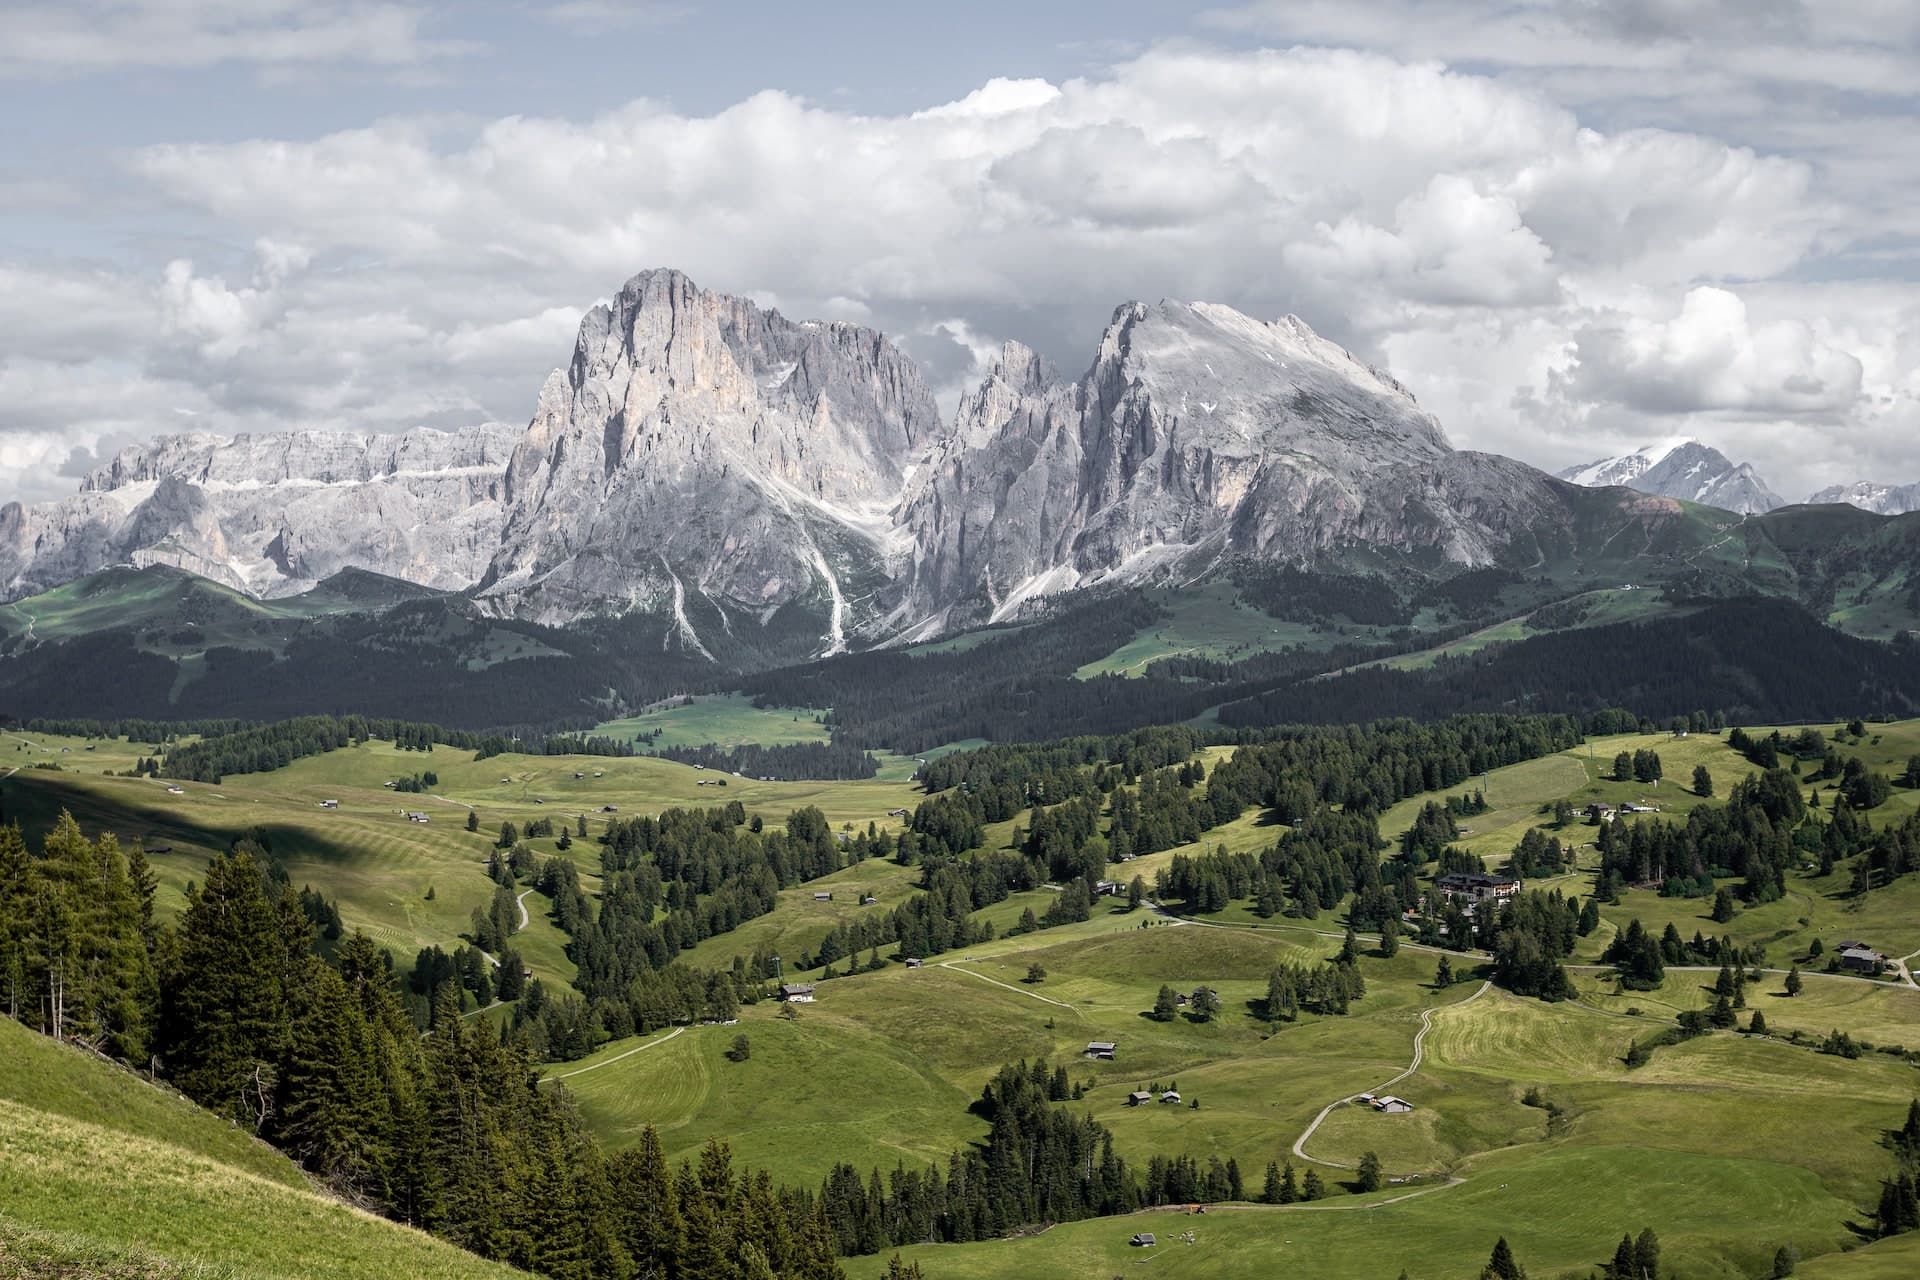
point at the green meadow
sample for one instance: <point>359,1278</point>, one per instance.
<point>104,1174</point>
<point>1526,1122</point>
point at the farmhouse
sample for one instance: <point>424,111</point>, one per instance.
<point>1139,1097</point>
<point>823,897</point>
<point>414,815</point>
<point>914,962</point>
<point>896,813</point>
<point>797,992</point>
<point>609,808</point>
<point>329,804</point>
<point>1476,886</point>
<point>1858,957</point>
<point>1144,1240</point>
<point>1387,1104</point>
<point>1101,1049</point>
<point>1108,888</point>
<point>1170,1096</point>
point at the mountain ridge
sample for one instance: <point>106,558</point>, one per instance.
<point>790,489</point>
<point>1684,468</point>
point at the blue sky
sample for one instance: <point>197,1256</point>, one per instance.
<point>1570,227</point>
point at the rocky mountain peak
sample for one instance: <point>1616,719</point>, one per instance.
<point>701,452</point>
<point>1682,468</point>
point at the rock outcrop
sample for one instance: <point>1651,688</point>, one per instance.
<point>705,457</point>
<point>1199,435</point>
<point>273,514</point>
<point>744,477</point>
<point>1881,499</point>
<point>1683,469</point>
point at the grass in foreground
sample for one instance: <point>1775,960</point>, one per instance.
<point>102,1174</point>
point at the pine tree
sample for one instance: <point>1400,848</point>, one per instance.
<point>1313,1189</point>
<point>647,1206</point>
<point>223,1018</point>
<point>1793,981</point>
<point>1622,1266</point>
<point>1646,1255</point>
<point>1443,975</point>
<point>1501,1265</point>
<point>331,1101</point>
<point>1369,1171</point>
<point>1165,1004</point>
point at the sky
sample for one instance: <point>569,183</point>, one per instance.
<point>1571,227</point>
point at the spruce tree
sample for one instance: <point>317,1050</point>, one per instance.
<point>1313,1189</point>
<point>1369,1173</point>
<point>1646,1255</point>
<point>1622,1266</point>
<point>223,1017</point>
<point>331,1101</point>
<point>647,1206</point>
<point>1502,1265</point>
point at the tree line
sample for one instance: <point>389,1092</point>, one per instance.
<point>451,1131</point>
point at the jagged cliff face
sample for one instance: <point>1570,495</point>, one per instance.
<point>1198,435</point>
<point>744,476</point>
<point>274,514</point>
<point>1881,499</point>
<point>1683,469</point>
<point>700,451</point>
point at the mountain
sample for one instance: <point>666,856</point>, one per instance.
<point>1682,468</point>
<point>1197,438</point>
<point>752,490</point>
<point>274,515</point>
<point>708,459</point>
<point>1881,499</point>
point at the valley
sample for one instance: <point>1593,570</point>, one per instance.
<point>1520,1108</point>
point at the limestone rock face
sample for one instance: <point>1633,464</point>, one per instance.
<point>1686,469</point>
<point>1197,435</point>
<point>784,487</point>
<point>1881,499</point>
<point>701,453</point>
<point>273,514</point>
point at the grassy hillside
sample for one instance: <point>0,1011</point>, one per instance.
<point>102,1174</point>
<point>1729,1146</point>
<point>719,719</point>
<point>366,854</point>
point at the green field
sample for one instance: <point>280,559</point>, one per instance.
<point>1714,1143</point>
<point>716,719</point>
<point>366,854</point>
<point>104,1174</point>
<point>1208,622</point>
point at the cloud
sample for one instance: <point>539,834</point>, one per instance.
<point>1449,244</point>
<point>1712,357</point>
<point>82,36</point>
<point>601,15</point>
<point>1539,281</point>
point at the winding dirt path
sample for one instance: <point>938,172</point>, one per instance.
<point>521,902</point>
<point>1372,938</point>
<point>1033,995</point>
<point>671,1035</point>
<point>1419,1052</point>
